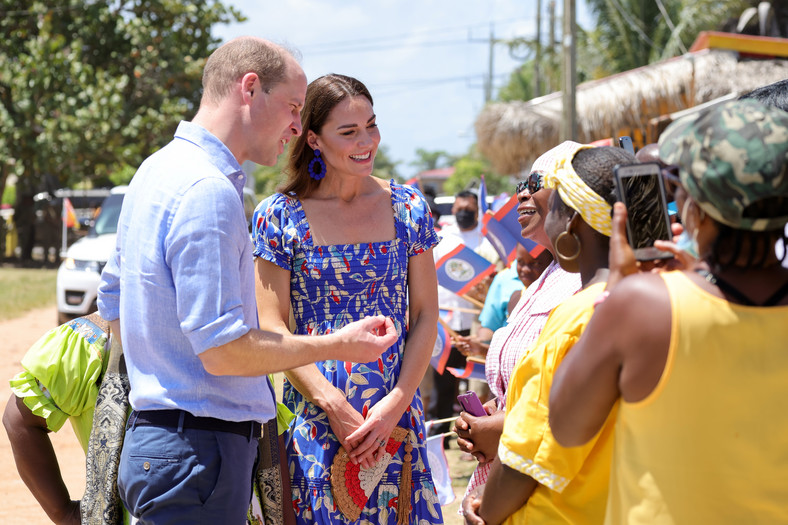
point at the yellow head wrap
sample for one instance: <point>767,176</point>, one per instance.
<point>576,194</point>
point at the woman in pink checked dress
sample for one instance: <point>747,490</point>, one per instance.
<point>480,435</point>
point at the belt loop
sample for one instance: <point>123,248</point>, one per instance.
<point>181,417</point>
<point>251,431</point>
<point>132,423</point>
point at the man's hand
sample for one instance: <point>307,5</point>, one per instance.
<point>363,341</point>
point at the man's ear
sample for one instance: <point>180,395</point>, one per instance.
<point>249,85</point>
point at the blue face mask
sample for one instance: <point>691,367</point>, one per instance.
<point>685,241</point>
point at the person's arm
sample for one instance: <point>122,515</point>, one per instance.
<point>108,299</point>
<point>423,320</point>
<point>608,361</point>
<point>505,492</point>
<point>36,462</point>
<point>262,352</point>
<point>273,306</point>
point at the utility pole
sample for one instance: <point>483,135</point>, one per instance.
<point>551,49</point>
<point>569,78</point>
<point>488,85</point>
<point>538,60</point>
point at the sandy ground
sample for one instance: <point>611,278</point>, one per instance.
<point>18,505</point>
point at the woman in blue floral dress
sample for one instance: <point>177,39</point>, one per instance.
<point>337,245</point>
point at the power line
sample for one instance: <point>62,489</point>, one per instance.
<point>379,40</point>
<point>385,47</point>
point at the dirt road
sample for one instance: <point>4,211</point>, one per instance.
<point>18,506</point>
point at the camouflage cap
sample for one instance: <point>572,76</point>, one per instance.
<point>729,157</point>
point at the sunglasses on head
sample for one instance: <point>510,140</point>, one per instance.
<point>533,183</point>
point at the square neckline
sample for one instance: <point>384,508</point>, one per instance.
<point>306,230</point>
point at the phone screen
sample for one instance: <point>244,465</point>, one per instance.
<point>641,189</point>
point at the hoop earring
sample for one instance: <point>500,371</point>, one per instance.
<point>320,164</point>
<point>567,260</point>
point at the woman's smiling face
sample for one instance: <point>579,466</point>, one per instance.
<point>532,210</point>
<point>349,139</point>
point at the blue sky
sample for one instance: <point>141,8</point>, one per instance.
<point>424,61</point>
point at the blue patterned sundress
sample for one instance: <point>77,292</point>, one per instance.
<point>331,286</point>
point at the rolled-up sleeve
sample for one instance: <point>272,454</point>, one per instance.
<point>202,249</point>
<point>108,300</point>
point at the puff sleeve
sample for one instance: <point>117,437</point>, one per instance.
<point>274,231</point>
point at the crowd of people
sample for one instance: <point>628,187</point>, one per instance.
<point>619,390</point>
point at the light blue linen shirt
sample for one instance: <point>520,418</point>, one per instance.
<point>181,280</point>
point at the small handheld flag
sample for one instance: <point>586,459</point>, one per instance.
<point>461,269</point>
<point>441,349</point>
<point>503,230</point>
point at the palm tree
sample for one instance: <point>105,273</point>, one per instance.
<point>633,33</point>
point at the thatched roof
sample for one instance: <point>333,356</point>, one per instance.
<point>512,135</point>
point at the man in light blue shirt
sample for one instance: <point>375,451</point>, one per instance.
<point>180,291</point>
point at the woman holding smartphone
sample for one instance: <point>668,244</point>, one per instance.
<point>700,386</point>
<point>533,479</point>
<point>479,435</point>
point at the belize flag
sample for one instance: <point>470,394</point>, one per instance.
<point>441,349</point>
<point>473,370</point>
<point>482,198</point>
<point>503,231</point>
<point>461,269</point>
<point>440,469</point>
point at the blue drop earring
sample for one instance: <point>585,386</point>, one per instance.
<point>318,163</point>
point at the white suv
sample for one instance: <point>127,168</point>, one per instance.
<point>80,272</point>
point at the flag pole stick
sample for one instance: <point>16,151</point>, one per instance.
<point>64,241</point>
<point>475,302</point>
<point>452,333</point>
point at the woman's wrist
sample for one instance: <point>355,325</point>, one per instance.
<point>330,400</point>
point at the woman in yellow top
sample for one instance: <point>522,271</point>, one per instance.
<point>533,479</point>
<point>701,363</point>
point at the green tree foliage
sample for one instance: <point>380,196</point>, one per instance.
<point>385,166</point>
<point>468,170</point>
<point>633,33</point>
<point>627,34</point>
<point>88,88</point>
<point>430,160</point>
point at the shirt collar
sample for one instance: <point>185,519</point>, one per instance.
<point>220,155</point>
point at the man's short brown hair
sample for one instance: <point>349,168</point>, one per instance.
<point>240,56</point>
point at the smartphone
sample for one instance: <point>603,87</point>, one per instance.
<point>469,402</point>
<point>625,142</point>
<point>641,188</point>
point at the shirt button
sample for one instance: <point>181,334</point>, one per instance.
<point>146,466</point>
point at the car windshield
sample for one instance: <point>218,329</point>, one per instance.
<point>107,221</point>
